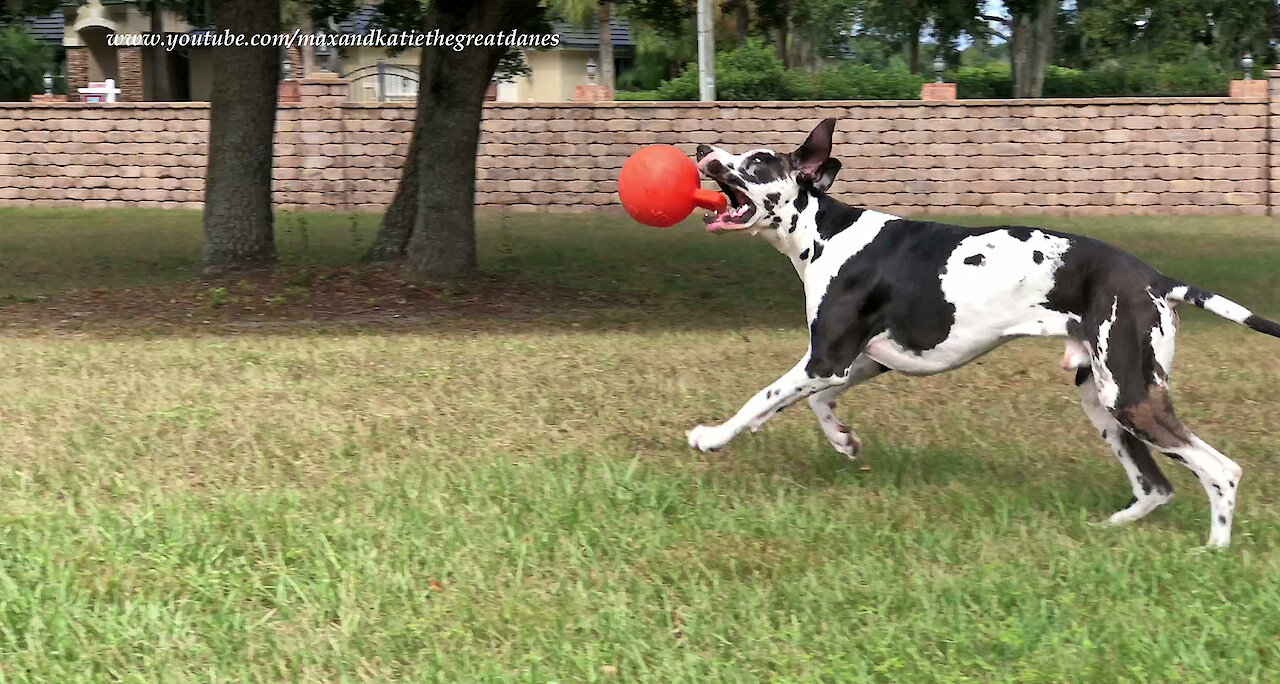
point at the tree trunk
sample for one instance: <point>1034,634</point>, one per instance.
<point>781,28</point>
<point>160,90</point>
<point>397,224</point>
<point>450,107</point>
<point>606,47</point>
<point>741,21</point>
<point>803,55</point>
<point>1031,46</point>
<point>238,227</point>
<point>307,26</point>
<point>913,51</point>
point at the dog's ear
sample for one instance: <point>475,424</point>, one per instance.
<point>815,151</point>
<point>827,174</point>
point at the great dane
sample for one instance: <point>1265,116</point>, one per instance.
<point>883,293</point>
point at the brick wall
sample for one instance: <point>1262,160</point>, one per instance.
<point>1142,156</point>
<point>1044,156</point>
<point>77,70</point>
<point>130,83</point>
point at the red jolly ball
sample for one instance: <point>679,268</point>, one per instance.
<point>659,186</point>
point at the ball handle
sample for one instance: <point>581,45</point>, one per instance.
<point>709,199</point>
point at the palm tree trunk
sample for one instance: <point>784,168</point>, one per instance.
<point>606,46</point>
<point>160,90</point>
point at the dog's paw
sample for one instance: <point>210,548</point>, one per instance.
<point>847,444</point>
<point>843,440</point>
<point>707,438</point>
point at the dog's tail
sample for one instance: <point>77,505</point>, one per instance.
<point>1217,304</point>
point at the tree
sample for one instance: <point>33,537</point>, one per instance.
<point>741,19</point>
<point>1031,37</point>
<point>776,14</point>
<point>587,13</point>
<point>431,221</point>
<point>665,36</point>
<point>1030,43</point>
<point>13,11</point>
<point>1173,30</point>
<point>238,225</point>
<point>23,62</point>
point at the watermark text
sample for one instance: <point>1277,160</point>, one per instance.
<point>375,37</point>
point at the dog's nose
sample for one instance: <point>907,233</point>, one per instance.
<point>703,150</point>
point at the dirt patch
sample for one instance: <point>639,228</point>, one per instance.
<point>293,298</point>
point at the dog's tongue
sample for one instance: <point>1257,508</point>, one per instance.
<point>726,220</point>
<point>716,225</point>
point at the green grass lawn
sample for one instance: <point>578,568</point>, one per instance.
<point>483,497</point>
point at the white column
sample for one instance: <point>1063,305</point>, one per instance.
<point>706,52</point>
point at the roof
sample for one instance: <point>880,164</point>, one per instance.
<point>587,38</point>
<point>360,21</point>
<point>46,29</point>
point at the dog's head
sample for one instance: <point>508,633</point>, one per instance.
<point>760,181</point>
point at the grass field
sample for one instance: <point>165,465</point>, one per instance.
<point>494,485</point>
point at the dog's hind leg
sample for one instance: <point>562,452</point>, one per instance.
<point>1150,487</point>
<point>824,404</point>
<point>1153,421</point>
<point>1132,353</point>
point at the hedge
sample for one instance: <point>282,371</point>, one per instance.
<point>753,72</point>
<point>1190,78</point>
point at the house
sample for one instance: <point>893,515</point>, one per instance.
<point>553,74</point>
<point>84,30</point>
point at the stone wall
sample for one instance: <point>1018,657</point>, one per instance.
<point>1086,156</point>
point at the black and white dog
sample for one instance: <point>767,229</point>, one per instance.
<point>884,293</point>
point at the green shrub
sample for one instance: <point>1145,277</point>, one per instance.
<point>646,72</point>
<point>23,61</point>
<point>862,82</point>
<point>991,81</point>
<point>1197,77</point>
<point>754,72</point>
<point>750,72</point>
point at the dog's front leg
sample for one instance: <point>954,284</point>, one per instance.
<point>795,385</point>
<point>824,406</point>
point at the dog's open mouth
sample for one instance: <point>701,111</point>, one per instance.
<point>736,216</point>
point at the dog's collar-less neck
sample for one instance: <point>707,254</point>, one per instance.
<point>799,244</point>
